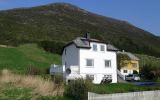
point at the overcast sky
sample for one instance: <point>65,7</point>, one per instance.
<point>142,13</point>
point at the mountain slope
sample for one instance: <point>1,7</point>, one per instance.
<point>25,56</point>
<point>63,22</point>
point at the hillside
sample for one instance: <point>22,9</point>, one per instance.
<point>20,58</point>
<point>62,22</point>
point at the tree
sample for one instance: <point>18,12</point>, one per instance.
<point>122,60</point>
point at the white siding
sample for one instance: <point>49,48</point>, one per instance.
<point>98,69</point>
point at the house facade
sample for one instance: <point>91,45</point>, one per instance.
<point>130,65</point>
<point>85,57</point>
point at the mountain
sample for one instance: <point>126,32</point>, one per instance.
<point>61,22</point>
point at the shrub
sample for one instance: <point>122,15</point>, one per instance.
<point>57,78</point>
<point>33,70</point>
<point>78,89</point>
<point>147,72</point>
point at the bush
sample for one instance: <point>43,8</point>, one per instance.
<point>33,70</point>
<point>52,46</point>
<point>78,89</point>
<point>147,72</point>
<point>57,78</point>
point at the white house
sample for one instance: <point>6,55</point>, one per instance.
<point>85,57</point>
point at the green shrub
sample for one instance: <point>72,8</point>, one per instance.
<point>31,70</point>
<point>78,89</point>
<point>57,78</point>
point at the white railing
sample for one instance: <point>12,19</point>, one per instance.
<point>120,75</point>
<point>74,69</point>
<point>143,95</point>
<point>56,69</point>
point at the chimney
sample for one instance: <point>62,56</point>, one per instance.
<point>87,35</point>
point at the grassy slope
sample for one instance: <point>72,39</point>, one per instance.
<point>21,57</point>
<point>145,59</point>
<point>10,92</point>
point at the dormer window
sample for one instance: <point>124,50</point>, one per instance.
<point>94,47</point>
<point>102,48</point>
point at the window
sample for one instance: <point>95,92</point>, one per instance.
<point>125,71</point>
<point>109,76</point>
<point>102,47</point>
<point>94,47</point>
<point>107,63</point>
<point>134,65</point>
<point>89,62</point>
<point>90,77</point>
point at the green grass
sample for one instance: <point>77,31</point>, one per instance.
<point>149,60</point>
<point>10,92</point>
<point>121,88</point>
<point>19,58</point>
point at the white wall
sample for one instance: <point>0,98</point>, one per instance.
<point>128,71</point>
<point>99,69</point>
<point>72,56</point>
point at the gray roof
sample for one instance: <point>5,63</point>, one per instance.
<point>85,43</point>
<point>111,47</point>
<point>81,42</point>
<point>130,55</point>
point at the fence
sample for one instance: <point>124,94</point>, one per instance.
<point>144,95</point>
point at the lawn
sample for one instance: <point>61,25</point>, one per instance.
<point>20,58</point>
<point>121,88</point>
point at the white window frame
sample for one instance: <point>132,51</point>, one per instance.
<point>92,62</point>
<point>110,64</point>
<point>95,49</point>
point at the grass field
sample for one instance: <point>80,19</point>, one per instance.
<point>26,87</point>
<point>10,92</point>
<point>121,88</point>
<point>20,58</point>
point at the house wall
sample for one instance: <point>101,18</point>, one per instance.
<point>130,68</point>
<point>98,70</point>
<point>71,58</point>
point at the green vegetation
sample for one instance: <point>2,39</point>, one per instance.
<point>78,89</point>
<point>149,60</point>
<point>10,92</point>
<point>62,22</point>
<point>21,58</point>
<point>121,88</point>
<point>122,60</point>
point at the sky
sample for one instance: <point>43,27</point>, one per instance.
<point>144,14</point>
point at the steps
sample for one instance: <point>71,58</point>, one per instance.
<point>120,77</point>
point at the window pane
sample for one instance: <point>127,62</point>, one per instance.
<point>102,47</point>
<point>94,47</point>
<point>89,62</point>
<point>124,71</point>
<point>107,63</point>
